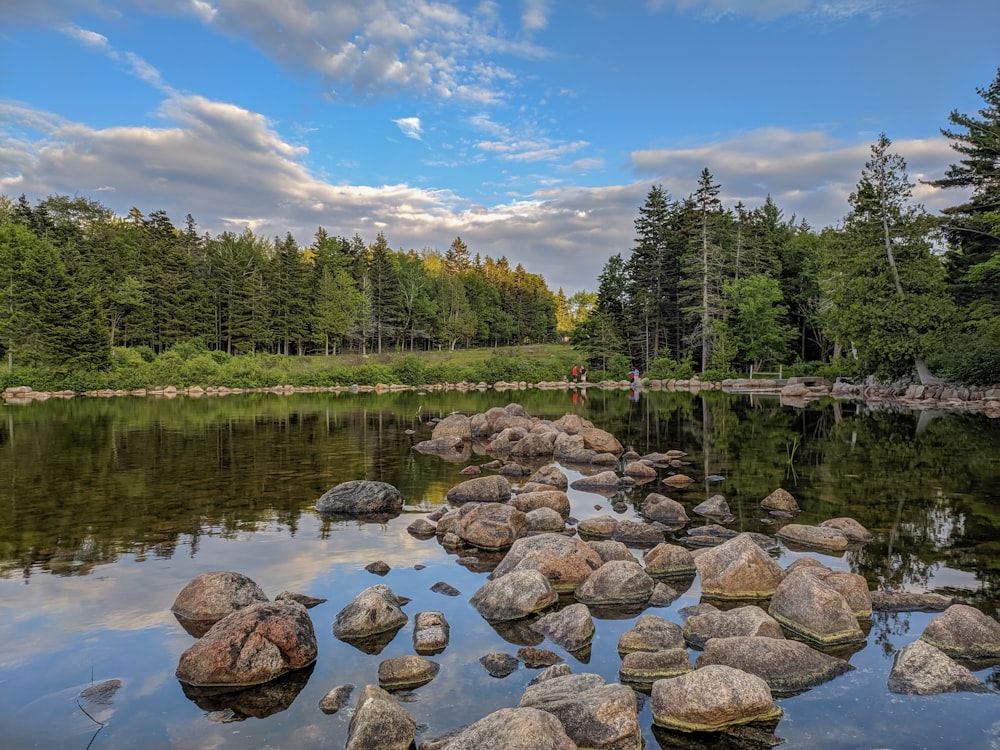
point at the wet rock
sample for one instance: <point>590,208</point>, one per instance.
<point>552,476</point>
<point>814,610</point>
<point>511,729</point>
<point>489,526</point>
<point>738,569</point>
<point>651,633</point>
<point>593,714</point>
<point>609,550</point>
<point>710,535</point>
<point>786,666</point>
<point>380,722</point>
<point>923,669</point>
<point>361,497</point>
<point>253,645</point>
<point>741,621</point>
<point>669,561</point>
<point>601,441</point>
<point>615,583</point>
<point>499,664</point>
<point>405,672</point>
<point>422,528</point>
<point>850,528</point>
<point>663,595</point>
<point>780,500</point>
<point>101,693</point>
<point>306,601</point>
<point>963,632</point>
<point>851,586</point>
<point>543,520</point>
<point>642,668</point>
<point>534,658</point>
<point>637,533</point>
<point>661,508</point>
<point>209,597</point>
<point>678,481</point>
<point>488,489</point>
<point>823,538</point>
<point>605,480</point>
<point>514,595</point>
<point>378,567</point>
<point>572,424</point>
<point>534,444</point>
<point>431,632</point>
<point>712,699</point>
<point>375,610</point>
<point>905,601</point>
<point>550,673</point>
<point>228,704</point>
<point>471,471</point>
<point>640,470</point>
<point>453,426</point>
<point>336,699</point>
<point>571,628</point>
<point>557,500</point>
<point>601,527</point>
<point>565,562</point>
<point>716,507</point>
<point>445,588</point>
<point>447,447</point>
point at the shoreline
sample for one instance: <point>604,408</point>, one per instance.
<point>793,392</point>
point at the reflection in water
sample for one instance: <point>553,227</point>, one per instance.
<point>109,507</point>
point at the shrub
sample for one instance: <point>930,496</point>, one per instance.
<point>408,370</point>
<point>665,367</point>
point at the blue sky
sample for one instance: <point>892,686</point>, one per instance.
<point>533,129</point>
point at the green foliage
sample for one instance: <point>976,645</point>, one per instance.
<point>665,367</point>
<point>715,375</point>
<point>973,357</point>
<point>408,370</point>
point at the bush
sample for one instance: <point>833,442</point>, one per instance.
<point>408,370</point>
<point>665,367</point>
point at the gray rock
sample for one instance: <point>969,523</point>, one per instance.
<point>657,507</point>
<point>780,500</point>
<point>512,729</point>
<point>566,562</point>
<point>209,597</point>
<point>712,699</point>
<point>669,561</point>
<point>306,601</point>
<point>963,632</point>
<point>738,569</point>
<point>615,583</point>
<point>490,526</point>
<point>380,722</point>
<point>922,669</point>
<point>336,699</point>
<point>405,672</point>
<point>488,489</point>
<point>542,520</point>
<point>786,666</point>
<point>741,621</point>
<point>850,528</point>
<point>515,595</point>
<point>637,533</point>
<point>550,475</point>
<point>361,497</point>
<point>556,500</point>
<point>593,714</point>
<point>651,633</point>
<point>905,601</point>
<point>814,611</point>
<point>823,538</point>
<point>375,610</point>
<point>571,628</point>
<point>431,632</point>
<point>453,426</point>
<point>602,481</point>
<point>253,645</point>
<point>715,506</point>
<point>643,668</point>
<point>601,527</point>
<point>610,550</point>
<point>499,664</point>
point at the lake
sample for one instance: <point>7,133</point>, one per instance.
<point>109,507</point>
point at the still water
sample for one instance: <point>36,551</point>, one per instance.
<point>109,507</point>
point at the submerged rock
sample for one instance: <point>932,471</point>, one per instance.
<point>922,669</point>
<point>361,497</point>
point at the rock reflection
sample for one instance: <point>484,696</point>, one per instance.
<point>257,701</point>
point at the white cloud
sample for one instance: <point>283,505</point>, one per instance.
<point>410,127</point>
<point>771,9</point>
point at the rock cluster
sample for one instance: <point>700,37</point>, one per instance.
<point>762,631</point>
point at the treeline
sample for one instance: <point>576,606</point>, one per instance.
<point>890,291</point>
<point>76,281</point>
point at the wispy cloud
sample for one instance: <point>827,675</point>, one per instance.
<point>772,9</point>
<point>410,127</point>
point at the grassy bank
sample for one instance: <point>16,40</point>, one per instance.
<point>190,364</point>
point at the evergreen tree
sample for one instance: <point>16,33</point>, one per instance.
<point>385,296</point>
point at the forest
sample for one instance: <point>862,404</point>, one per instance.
<point>892,292</point>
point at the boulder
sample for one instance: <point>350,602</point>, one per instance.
<point>712,699</point>
<point>557,500</point>
<point>637,533</point>
<point>564,561</point>
<point>710,535</point>
<point>431,632</point>
<point>963,632</point>
<point>780,500</point>
<point>379,721</point>
<point>361,497</point>
<point>571,628</point>
<point>852,586</point>
<point>406,672</point>
<point>601,441</point>
<point>678,481</point>
<point>850,528</point>
<point>253,645</point>
<point>741,621</point>
<point>515,595</point>
<point>669,561</point>
<point>453,426</point>
<point>923,669</point>
<point>642,668</point>
<point>602,481</point>
<point>651,633</point>
<point>572,424</point>
<point>600,527</point>
<point>716,507</point>
<point>616,583</point>
<point>787,666</point>
<point>375,610</point>
<point>905,601</point>
<point>512,729</point>
<point>488,489</point>
<point>336,699</point>
<point>543,520</point>
<point>499,664</point>
<point>814,611</point>
<point>534,444</point>
<point>661,508</point>
<point>609,550</point>
<point>738,569</point>
<point>593,714</point>
<point>209,597</point>
<point>304,599</point>
<point>489,526</point>
<point>823,538</point>
<point>537,658</point>
<point>550,475</point>
<point>640,470</point>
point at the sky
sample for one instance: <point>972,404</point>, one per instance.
<point>532,129</point>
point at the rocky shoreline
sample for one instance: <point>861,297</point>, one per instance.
<point>794,392</point>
